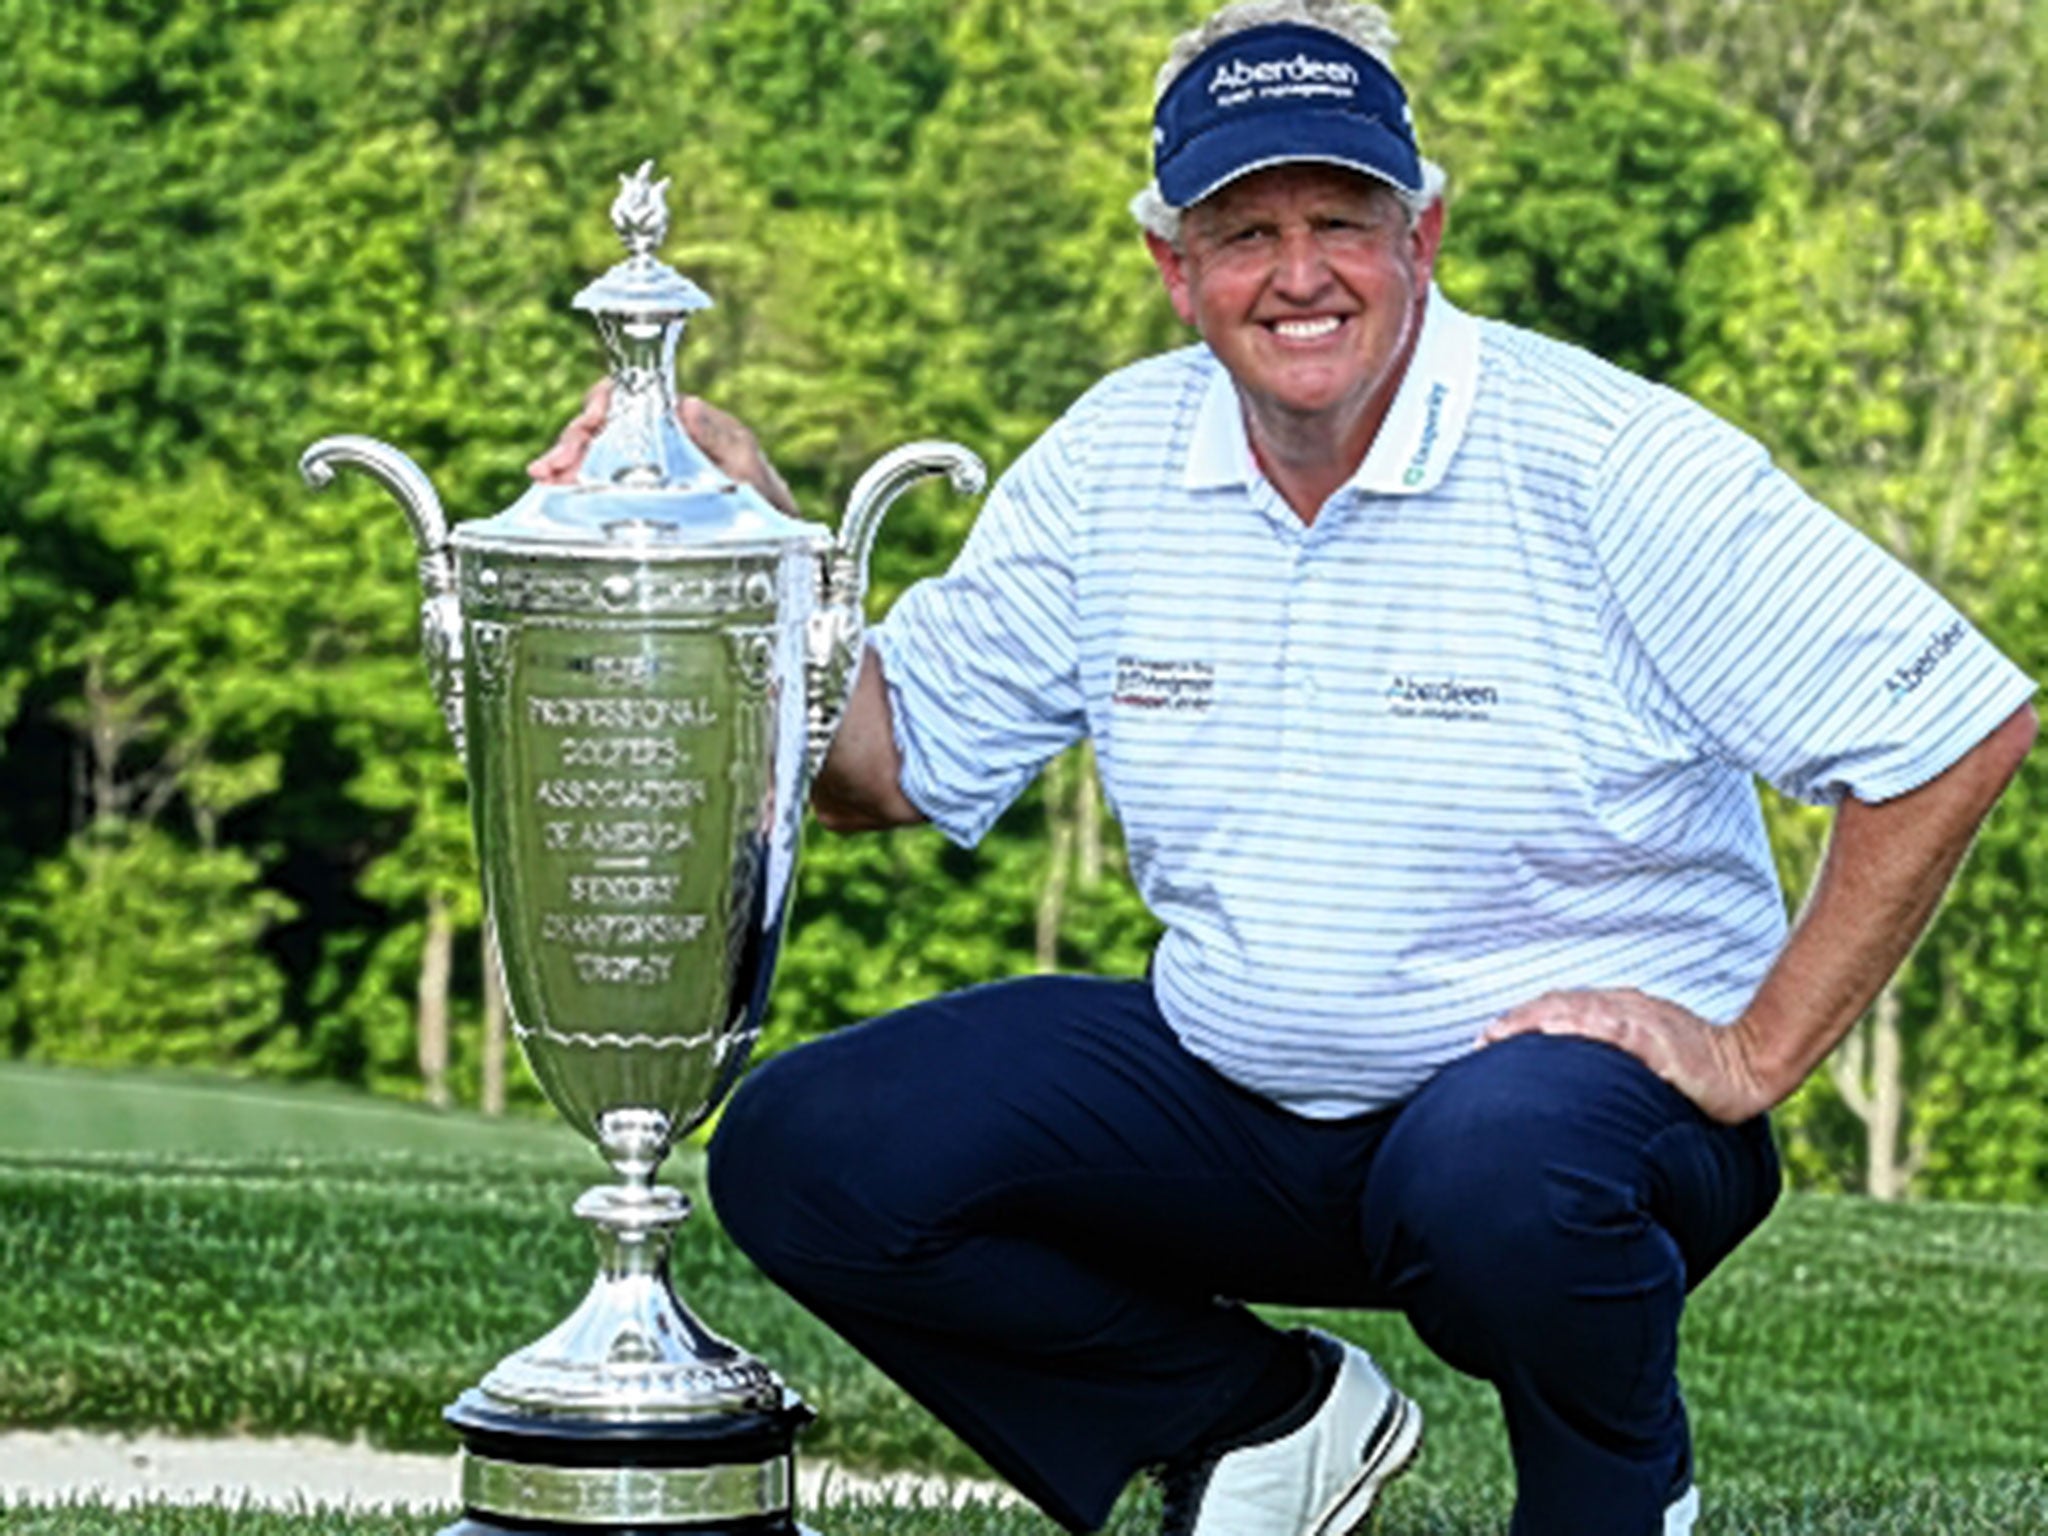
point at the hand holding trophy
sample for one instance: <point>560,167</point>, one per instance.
<point>642,669</point>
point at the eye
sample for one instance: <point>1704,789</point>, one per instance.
<point>1348,228</point>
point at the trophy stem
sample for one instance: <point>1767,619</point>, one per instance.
<point>632,1351</point>
<point>631,1415</point>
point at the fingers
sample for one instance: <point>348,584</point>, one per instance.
<point>559,464</point>
<point>1701,1061</point>
<point>713,430</point>
<point>1554,1013</point>
<point>729,445</point>
<point>723,437</point>
<point>1630,1021</point>
<point>1506,1027</point>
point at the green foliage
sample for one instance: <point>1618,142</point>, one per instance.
<point>234,226</point>
<point>821,100</point>
<point>1580,182</point>
<point>127,949</point>
<point>1905,102</point>
<point>1982,1099</point>
<point>1896,365</point>
<point>879,923</point>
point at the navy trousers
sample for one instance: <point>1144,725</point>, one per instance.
<point>1035,1210</point>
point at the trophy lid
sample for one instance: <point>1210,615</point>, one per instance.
<point>644,487</point>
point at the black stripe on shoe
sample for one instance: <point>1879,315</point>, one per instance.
<point>1184,1480</point>
<point>1389,1450</point>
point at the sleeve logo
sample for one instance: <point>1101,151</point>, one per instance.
<point>1916,671</point>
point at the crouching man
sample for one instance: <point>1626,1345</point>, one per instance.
<point>1428,664</point>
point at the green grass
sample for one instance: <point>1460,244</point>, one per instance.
<point>59,1109</point>
<point>2001,1505</point>
<point>1855,1369</point>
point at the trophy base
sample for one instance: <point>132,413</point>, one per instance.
<point>709,1475</point>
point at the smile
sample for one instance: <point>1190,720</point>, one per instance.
<point>1307,330</point>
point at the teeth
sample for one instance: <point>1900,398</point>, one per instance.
<point>1306,330</point>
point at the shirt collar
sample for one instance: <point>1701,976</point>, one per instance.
<point>1415,444</point>
<point>1219,454</point>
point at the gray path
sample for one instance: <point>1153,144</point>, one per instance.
<point>40,1467</point>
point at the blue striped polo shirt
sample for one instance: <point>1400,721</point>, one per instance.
<point>1486,728</point>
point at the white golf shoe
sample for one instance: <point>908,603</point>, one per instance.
<point>1684,1510</point>
<point>1320,1477</point>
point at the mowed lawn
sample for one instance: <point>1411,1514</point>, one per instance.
<point>211,1258</point>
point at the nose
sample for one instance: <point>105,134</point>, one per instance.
<point>1301,270</point>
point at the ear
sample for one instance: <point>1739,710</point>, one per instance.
<point>1428,238</point>
<point>1173,272</point>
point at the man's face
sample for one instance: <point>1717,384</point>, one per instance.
<point>1307,282</point>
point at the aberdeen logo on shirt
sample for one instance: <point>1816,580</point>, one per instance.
<point>1915,672</point>
<point>1446,698</point>
<point>1147,683</point>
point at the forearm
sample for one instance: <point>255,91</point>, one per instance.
<point>1884,873</point>
<point>859,787</point>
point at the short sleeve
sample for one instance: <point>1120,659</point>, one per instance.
<point>983,662</point>
<point>1786,642</point>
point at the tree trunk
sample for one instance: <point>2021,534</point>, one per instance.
<point>437,956</point>
<point>1885,1144</point>
<point>1059,862</point>
<point>1087,821</point>
<point>494,1027</point>
<point>1869,1071</point>
<point>105,740</point>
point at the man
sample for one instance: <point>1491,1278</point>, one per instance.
<point>1428,664</point>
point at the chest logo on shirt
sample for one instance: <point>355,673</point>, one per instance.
<point>1182,686</point>
<point>1448,698</point>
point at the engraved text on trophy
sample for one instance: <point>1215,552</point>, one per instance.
<point>614,809</point>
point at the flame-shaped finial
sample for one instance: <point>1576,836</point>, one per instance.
<point>640,307</point>
<point>640,212</point>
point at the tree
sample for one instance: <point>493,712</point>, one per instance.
<point>1637,161</point>
<point>1896,365</point>
<point>238,225</point>
<point>128,948</point>
<point>1896,102</point>
<point>320,195</point>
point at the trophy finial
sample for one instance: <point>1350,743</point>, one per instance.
<point>642,287</point>
<point>640,306</point>
<point>640,211</point>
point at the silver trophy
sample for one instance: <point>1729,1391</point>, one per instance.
<point>642,671</point>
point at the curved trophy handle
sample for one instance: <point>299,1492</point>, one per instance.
<point>440,613</point>
<point>838,627</point>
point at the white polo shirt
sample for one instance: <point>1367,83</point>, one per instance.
<point>1484,729</point>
